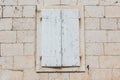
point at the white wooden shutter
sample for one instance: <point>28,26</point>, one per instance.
<point>70,38</point>
<point>51,38</point>
<point>60,38</point>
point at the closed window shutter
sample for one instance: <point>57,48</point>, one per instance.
<point>51,38</point>
<point>70,38</point>
<point>60,38</point>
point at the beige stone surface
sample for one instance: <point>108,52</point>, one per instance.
<point>94,11</point>
<point>25,36</point>
<point>79,76</point>
<point>35,76</point>
<point>27,2</point>
<point>101,74</point>
<point>11,49</point>
<point>119,24</point>
<point>23,24</point>
<point>17,40</point>
<point>24,62</point>
<point>96,36</point>
<point>109,23</point>
<point>29,49</point>
<point>70,2</point>
<point>116,74</point>
<point>94,49</point>
<point>90,2</point>
<point>112,11</point>
<point>28,11</point>
<point>6,62</point>
<point>109,62</point>
<point>59,76</point>
<point>92,61</point>
<point>8,2</point>
<point>7,36</point>
<point>112,49</point>
<point>0,11</point>
<point>113,36</point>
<point>12,11</point>
<point>51,2</point>
<point>11,75</point>
<point>6,24</point>
<point>92,23</point>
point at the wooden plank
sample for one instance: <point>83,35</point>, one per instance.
<point>51,40</point>
<point>70,40</point>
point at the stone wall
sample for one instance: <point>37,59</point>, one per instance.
<point>17,40</point>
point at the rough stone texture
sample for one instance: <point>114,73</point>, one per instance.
<point>79,76</point>
<point>94,49</point>
<point>90,2</point>
<point>94,11</point>
<point>70,2</point>
<point>25,36</point>
<point>8,2</point>
<point>6,62</point>
<point>24,24</point>
<point>108,23</point>
<point>119,24</point>
<point>113,36</point>
<point>0,11</point>
<point>92,61</point>
<point>6,24</point>
<point>29,11</point>
<point>92,23</point>
<point>12,11</point>
<point>11,49</point>
<point>59,76</point>
<point>109,61</point>
<point>35,76</point>
<point>116,74</point>
<point>23,62</point>
<point>18,31</point>
<point>112,49</point>
<point>11,75</point>
<point>29,49</point>
<point>101,74</point>
<point>112,11</point>
<point>50,2</point>
<point>7,36</point>
<point>27,2</point>
<point>96,36</point>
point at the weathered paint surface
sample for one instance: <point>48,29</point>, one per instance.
<point>51,38</point>
<point>60,38</point>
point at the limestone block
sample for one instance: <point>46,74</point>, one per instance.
<point>94,11</point>
<point>109,61</point>
<point>96,36</point>
<point>112,49</point>
<point>92,23</point>
<point>6,24</point>
<point>94,49</point>
<point>23,62</point>
<point>108,23</point>
<point>28,11</point>
<point>11,49</point>
<point>24,24</point>
<point>25,36</point>
<point>7,36</point>
<point>92,61</point>
<point>12,11</point>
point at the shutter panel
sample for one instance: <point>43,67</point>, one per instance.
<point>70,38</point>
<point>51,38</point>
